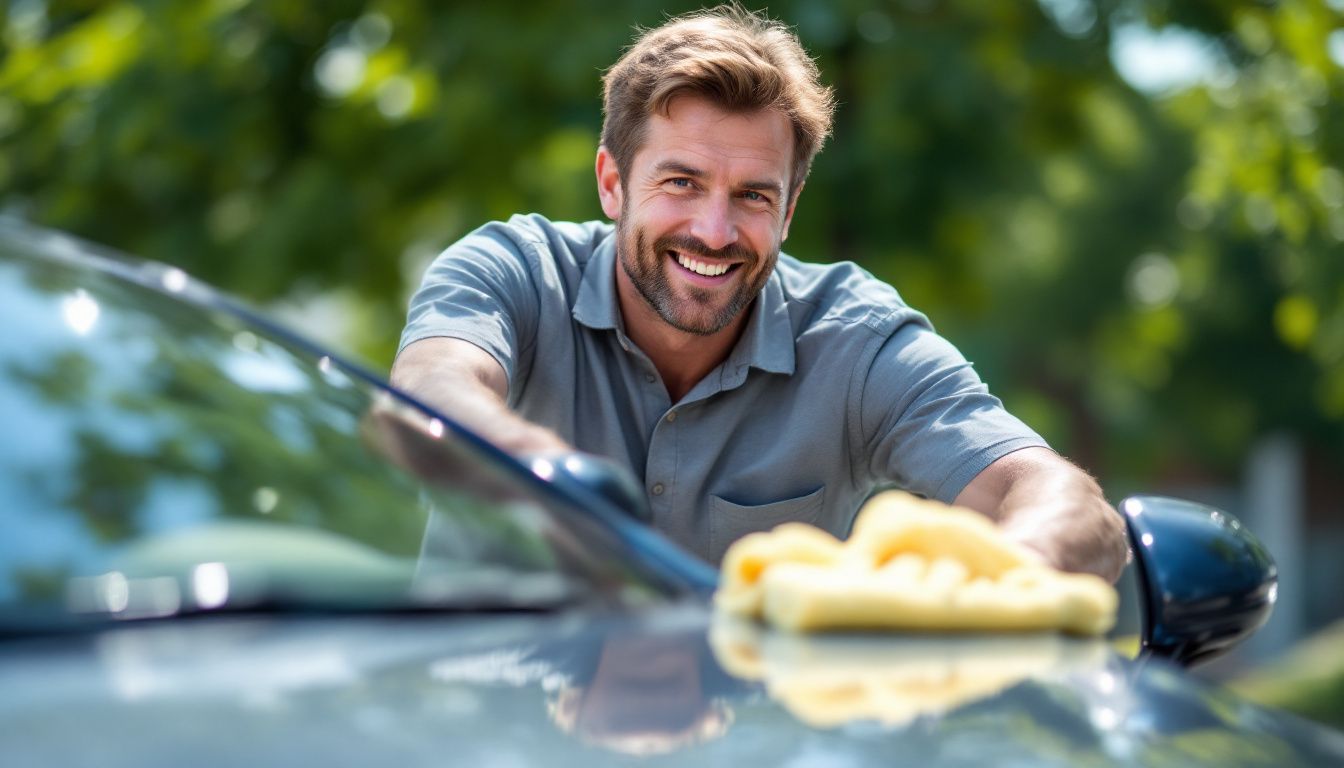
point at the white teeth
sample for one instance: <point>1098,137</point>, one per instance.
<point>708,270</point>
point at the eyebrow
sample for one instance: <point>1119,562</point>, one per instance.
<point>672,166</point>
<point>765,186</point>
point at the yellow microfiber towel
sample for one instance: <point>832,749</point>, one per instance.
<point>909,564</point>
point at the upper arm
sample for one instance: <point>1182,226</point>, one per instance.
<point>425,365</point>
<point>480,290</point>
<point>929,422</point>
<point>987,490</point>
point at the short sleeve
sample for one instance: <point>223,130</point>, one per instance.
<point>481,290</point>
<point>929,422</point>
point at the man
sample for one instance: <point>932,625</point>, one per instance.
<point>742,387</point>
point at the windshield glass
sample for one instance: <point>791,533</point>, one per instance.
<point>160,456</point>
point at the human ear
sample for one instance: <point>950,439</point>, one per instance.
<point>609,189</point>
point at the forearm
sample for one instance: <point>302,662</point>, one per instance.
<point>1047,504</point>
<point>1067,520</point>
<point>465,384</point>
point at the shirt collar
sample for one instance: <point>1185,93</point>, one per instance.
<point>766,342</point>
<point>596,306</point>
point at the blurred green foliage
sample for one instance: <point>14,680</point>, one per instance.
<point>1308,680</point>
<point>1150,277</point>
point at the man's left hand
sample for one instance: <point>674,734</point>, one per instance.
<point>1049,505</point>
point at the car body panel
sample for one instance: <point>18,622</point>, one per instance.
<point>583,688</point>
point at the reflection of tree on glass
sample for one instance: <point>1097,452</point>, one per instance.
<point>157,396</point>
<point>145,415</point>
<point>157,429</point>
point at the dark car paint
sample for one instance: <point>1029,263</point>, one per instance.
<point>585,688</point>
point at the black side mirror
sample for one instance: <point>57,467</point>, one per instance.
<point>1205,581</point>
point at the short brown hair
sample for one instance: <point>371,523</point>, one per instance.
<point>742,61</point>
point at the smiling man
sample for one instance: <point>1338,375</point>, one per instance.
<point>699,225</point>
<point>743,387</point>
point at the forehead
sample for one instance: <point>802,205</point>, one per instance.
<point>697,133</point>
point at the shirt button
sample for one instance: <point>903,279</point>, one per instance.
<point>671,417</point>
<point>649,377</point>
<point>657,489</point>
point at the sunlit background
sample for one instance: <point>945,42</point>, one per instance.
<point>1129,214</point>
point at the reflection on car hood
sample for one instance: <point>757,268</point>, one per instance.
<point>575,688</point>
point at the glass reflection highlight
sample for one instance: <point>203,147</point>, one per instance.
<point>246,341</point>
<point>265,499</point>
<point>80,312</point>
<point>175,280</point>
<point>116,592</point>
<point>210,585</point>
<point>121,597</point>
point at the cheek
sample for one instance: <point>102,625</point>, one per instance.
<point>767,248</point>
<point>661,215</point>
<point>765,240</point>
<point>764,228</point>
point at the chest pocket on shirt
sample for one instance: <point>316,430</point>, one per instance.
<point>729,522</point>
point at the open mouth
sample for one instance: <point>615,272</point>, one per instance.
<point>703,267</point>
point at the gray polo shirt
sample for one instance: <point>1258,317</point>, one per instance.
<point>835,387</point>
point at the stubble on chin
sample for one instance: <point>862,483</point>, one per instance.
<point>647,270</point>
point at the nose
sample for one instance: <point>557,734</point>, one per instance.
<point>714,223</point>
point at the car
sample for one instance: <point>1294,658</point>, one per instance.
<point>226,545</point>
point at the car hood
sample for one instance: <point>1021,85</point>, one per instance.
<point>576,688</point>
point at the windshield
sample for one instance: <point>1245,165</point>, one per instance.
<point>160,455</point>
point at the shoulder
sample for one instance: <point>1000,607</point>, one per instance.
<point>842,294</point>
<point>528,249</point>
<point>563,240</point>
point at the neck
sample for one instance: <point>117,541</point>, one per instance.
<point>682,358</point>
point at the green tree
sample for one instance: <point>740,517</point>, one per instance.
<point>1150,277</point>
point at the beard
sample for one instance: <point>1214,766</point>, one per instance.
<point>700,311</point>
